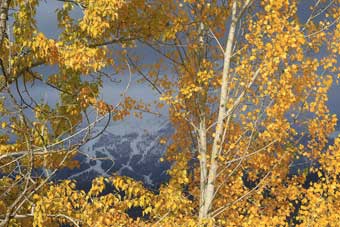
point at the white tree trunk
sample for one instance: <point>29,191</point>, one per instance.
<point>209,183</point>
<point>202,148</point>
<point>4,6</point>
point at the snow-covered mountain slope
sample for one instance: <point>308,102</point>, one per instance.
<point>131,148</point>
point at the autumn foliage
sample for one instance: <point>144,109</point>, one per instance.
<point>246,86</point>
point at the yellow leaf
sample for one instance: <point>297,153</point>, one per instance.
<point>3,124</point>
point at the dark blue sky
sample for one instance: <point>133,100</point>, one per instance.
<point>46,20</point>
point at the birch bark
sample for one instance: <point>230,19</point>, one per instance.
<point>209,187</point>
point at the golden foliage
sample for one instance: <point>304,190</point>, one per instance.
<point>246,84</point>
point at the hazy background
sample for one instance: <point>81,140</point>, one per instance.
<point>47,23</point>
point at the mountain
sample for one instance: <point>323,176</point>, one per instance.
<point>132,148</point>
<point>129,148</point>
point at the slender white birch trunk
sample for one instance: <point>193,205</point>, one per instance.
<point>209,182</point>
<point>202,148</point>
<point>4,6</point>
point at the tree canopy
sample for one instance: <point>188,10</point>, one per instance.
<point>246,86</point>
